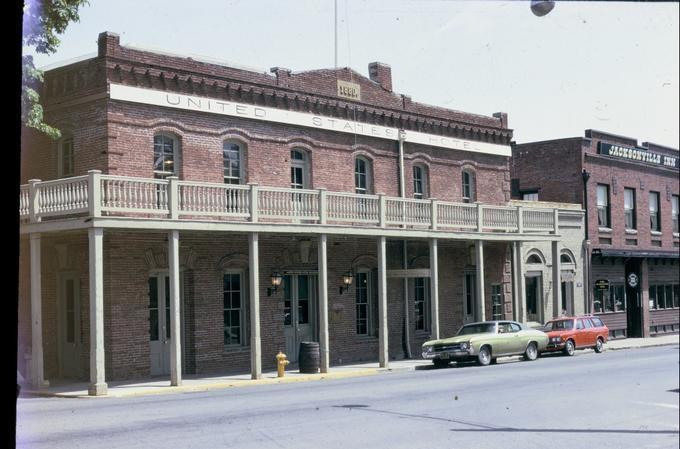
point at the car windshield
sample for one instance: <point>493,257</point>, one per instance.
<point>559,325</point>
<point>479,328</point>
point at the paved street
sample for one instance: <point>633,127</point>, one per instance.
<point>618,399</point>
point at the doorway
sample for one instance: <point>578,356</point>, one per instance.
<point>69,327</point>
<point>567,295</point>
<point>534,296</point>
<point>160,334</point>
<point>299,293</point>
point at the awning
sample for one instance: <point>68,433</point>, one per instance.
<point>636,254</point>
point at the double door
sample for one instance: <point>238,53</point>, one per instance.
<point>160,334</point>
<point>299,316</point>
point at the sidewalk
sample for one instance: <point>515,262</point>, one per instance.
<point>193,383</point>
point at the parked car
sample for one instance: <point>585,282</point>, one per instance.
<point>486,341</point>
<point>571,333</point>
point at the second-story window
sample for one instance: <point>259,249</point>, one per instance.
<point>299,177</point>
<point>65,158</point>
<point>419,182</point>
<point>530,195</point>
<point>674,212</point>
<point>165,151</point>
<point>468,187</point>
<point>362,176</point>
<point>629,208</point>
<point>603,206</point>
<point>654,215</point>
<point>232,156</point>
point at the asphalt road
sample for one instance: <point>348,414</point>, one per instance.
<point>618,399</point>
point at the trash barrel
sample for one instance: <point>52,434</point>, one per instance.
<point>309,357</point>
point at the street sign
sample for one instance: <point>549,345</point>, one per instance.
<point>602,284</point>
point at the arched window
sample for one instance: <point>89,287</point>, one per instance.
<point>534,258</point>
<point>232,157</point>
<point>468,187</point>
<point>65,157</point>
<point>165,156</point>
<point>420,186</point>
<point>565,258</point>
<point>362,175</point>
<point>299,169</point>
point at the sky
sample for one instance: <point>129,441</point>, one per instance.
<point>610,66</point>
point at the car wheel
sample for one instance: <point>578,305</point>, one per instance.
<point>599,345</point>
<point>531,352</point>
<point>439,363</point>
<point>494,361</point>
<point>484,356</point>
<point>569,348</point>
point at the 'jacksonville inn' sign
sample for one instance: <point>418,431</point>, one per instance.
<point>253,112</point>
<point>637,154</point>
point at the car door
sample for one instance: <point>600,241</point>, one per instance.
<point>517,339</point>
<point>590,334</point>
<point>580,338</point>
<point>502,340</point>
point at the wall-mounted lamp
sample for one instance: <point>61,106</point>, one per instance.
<point>276,280</point>
<point>347,279</point>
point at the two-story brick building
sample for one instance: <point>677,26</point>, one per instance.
<point>630,192</point>
<point>198,217</point>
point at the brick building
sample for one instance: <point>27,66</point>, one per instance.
<point>630,192</point>
<point>247,212</point>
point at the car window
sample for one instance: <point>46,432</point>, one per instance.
<point>587,323</point>
<point>559,325</point>
<point>579,324</point>
<point>514,327</point>
<point>597,322</point>
<point>478,328</point>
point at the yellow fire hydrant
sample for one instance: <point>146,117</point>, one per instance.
<point>281,362</point>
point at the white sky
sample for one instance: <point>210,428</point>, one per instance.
<point>601,65</point>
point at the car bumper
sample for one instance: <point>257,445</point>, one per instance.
<point>447,355</point>
<point>555,346</point>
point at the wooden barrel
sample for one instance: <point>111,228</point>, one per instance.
<point>308,357</point>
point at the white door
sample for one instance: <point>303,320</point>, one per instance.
<point>69,334</point>
<point>299,312</point>
<point>159,324</point>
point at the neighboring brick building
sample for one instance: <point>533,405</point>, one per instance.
<point>183,191</point>
<point>632,216</point>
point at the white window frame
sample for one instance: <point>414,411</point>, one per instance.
<point>423,298</point>
<point>243,324</point>
<point>675,199</point>
<point>420,181</point>
<point>370,304</point>
<point>162,174</point>
<point>65,158</point>
<point>303,165</point>
<point>655,212</point>
<point>530,196</point>
<point>367,176</point>
<point>629,208</point>
<point>470,186</point>
<point>603,211</point>
<point>228,172</point>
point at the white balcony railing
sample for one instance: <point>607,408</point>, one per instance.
<point>98,195</point>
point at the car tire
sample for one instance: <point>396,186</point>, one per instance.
<point>484,356</point>
<point>569,348</point>
<point>439,363</point>
<point>599,345</point>
<point>531,353</point>
<point>494,361</point>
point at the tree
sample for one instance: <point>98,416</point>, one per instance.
<point>43,21</point>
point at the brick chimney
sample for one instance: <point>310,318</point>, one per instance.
<point>108,43</point>
<point>282,75</point>
<point>381,74</point>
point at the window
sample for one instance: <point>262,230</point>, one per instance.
<point>232,155</point>
<point>366,304</point>
<point>597,322</point>
<point>164,156</point>
<point>530,196</point>
<point>579,324</point>
<point>362,181</point>
<point>674,212</point>
<point>496,302</point>
<point>419,182</point>
<point>566,258</point>
<point>663,296</point>
<point>629,208</point>
<point>534,259</point>
<point>470,294</point>
<point>612,300</point>
<point>469,193</point>
<point>65,158</point>
<point>654,222</point>
<point>233,309</point>
<point>299,178</point>
<point>421,299</point>
<point>603,206</point>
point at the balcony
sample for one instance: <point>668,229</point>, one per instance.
<point>96,195</point>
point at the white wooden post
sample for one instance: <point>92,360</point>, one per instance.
<point>434,204</point>
<point>479,261</point>
<point>254,269</point>
<point>98,385</point>
<point>37,363</point>
<point>175,320</point>
<point>520,219</point>
<point>173,197</point>
<point>556,280</point>
<point>556,220</point>
<point>434,290</point>
<point>34,200</point>
<point>94,193</point>
<point>323,303</point>
<point>383,353</point>
<point>480,217</point>
<point>382,209</point>
<point>323,206</point>
<point>254,215</point>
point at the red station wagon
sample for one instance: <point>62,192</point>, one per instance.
<point>571,333</point>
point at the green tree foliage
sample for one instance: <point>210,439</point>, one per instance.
<point>43,21</point>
